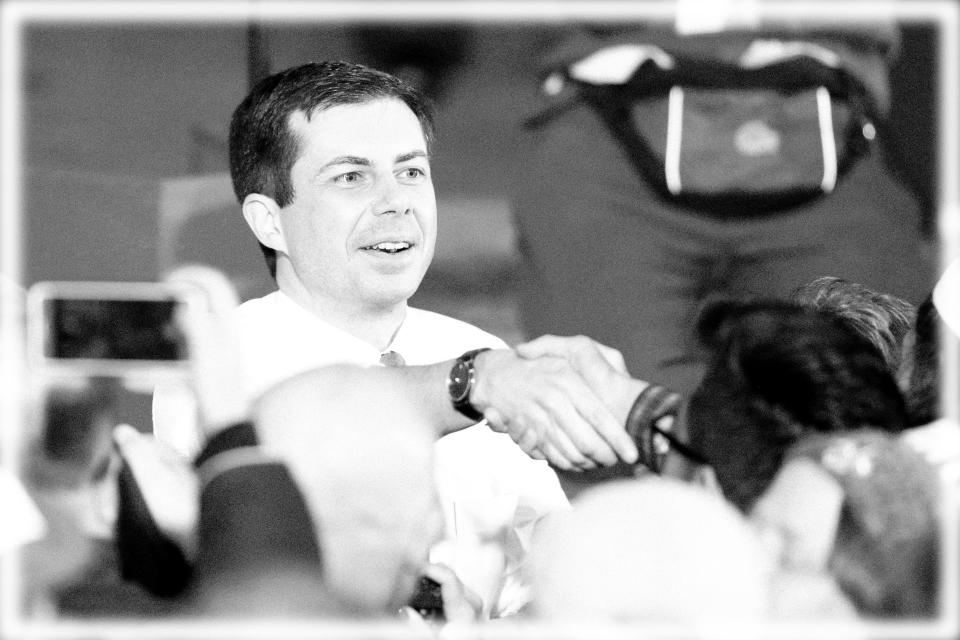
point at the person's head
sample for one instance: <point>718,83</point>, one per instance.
<point>330,162</point>
<point>862,507</point>
<point>654,550</point>
<point>777,371</point>
<point>361,453</point>
<point>881,318</point>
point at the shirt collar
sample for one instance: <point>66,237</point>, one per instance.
<point>370,353</point>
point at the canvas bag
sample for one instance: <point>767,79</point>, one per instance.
<point>728,139</point>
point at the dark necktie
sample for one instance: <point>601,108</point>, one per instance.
<point>391,359</point>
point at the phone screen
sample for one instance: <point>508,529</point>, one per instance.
<point>104,329</point>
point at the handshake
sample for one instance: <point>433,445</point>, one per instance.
<point>570,401</point>
<point>567,400</point>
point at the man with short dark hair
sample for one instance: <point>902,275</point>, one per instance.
<point>263,145</point>
<point>331,164</point>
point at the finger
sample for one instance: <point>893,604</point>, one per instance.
<point>536,454</point>
<point>565,446</point>
<point>562,444</point>
<point>608,428</point>
<point>546,345</point>
<point>555,458</point>
<point>583,349</point>
<point>589,424</point>
<point>496,421</point>
<point>613,357</point>
<point>666,423</point>
<point>590,353</point>
<point>548,430</point>
<point>529,440</point>
<point>525,438</point>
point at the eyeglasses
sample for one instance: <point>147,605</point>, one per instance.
<point>654,407</point>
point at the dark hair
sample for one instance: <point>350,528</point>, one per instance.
<point>881,318</point>
<point>920,370</point>
<point>263,149</point>
<point>777,371</point>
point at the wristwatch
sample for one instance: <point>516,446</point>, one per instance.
<point>460,383</point>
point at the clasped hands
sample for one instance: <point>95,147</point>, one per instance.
<point>562,399</point>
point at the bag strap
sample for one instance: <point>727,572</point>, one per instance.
<point>612,103</point>
<point>787,76</point>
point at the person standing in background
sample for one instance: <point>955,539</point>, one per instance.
<point>627,256</point>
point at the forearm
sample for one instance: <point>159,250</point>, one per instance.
<point>542,403</point>
<point>362,394</point>
<point>426,388</point>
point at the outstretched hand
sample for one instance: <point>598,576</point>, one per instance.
<point>602,368</point>
<point>549,410</point>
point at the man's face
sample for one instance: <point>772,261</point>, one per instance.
<point>361,229</point>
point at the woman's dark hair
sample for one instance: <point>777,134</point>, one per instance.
<point>921,366</point>
<point>776,371</point>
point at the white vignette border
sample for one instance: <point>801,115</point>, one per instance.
<point>16,13</point>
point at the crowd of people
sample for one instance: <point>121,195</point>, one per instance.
<point>338,454</point>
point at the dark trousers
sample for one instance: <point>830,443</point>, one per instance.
<point>604,256</point>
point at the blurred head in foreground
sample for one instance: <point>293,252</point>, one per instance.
<point>362,457</point>
<point>654,550</point>
<point>863,507</point>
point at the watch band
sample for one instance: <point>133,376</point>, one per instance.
<point>460,383</point>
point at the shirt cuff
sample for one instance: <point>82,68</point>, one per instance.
<point>241,434</point>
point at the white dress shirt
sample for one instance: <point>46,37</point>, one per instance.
<point>483,479</point>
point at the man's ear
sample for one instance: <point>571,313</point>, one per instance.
<point>262,214</point>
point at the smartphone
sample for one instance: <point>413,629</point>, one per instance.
<point>108,328</point>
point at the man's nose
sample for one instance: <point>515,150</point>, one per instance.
<point>392,197</point>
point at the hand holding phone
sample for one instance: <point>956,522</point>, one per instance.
<point>175,334</point>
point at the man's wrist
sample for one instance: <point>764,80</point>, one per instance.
<point>461,382</point>
<point>482,364</point>
<point>623,395</point>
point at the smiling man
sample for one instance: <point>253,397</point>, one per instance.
<point>331,165</point>
<point>354,241</point>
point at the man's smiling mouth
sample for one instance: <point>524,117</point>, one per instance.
<point>388,247</point>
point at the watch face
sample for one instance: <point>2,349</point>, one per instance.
<point>459,382</point>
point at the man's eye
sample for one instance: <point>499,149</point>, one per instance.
<point>414,173</point>
<point>348,178</point>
